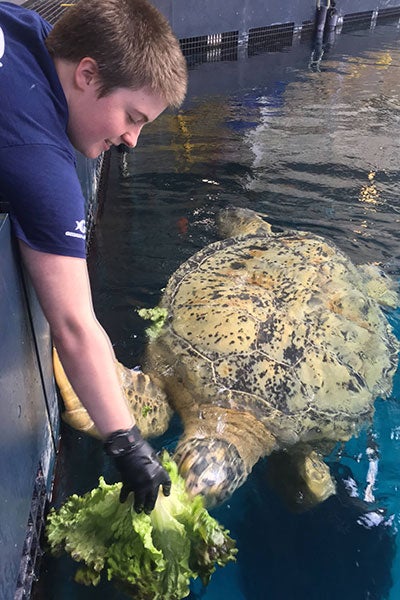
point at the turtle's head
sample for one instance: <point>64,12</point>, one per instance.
<point>211,467</point>
<point>233,221</point>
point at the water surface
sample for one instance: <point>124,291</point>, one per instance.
<point>313,148</point>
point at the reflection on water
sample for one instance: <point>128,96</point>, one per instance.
<point>316,150</point>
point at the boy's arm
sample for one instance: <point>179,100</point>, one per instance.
<point>62,286</point>
<point>63,290</point>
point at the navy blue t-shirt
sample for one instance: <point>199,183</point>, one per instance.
<point>37,161</point>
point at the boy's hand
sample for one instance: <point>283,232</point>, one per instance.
<point>140,469</point>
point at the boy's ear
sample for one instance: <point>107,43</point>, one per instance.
<point>86,73</point>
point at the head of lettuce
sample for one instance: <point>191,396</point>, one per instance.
<point>151,557</point>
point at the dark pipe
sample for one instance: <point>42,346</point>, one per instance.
<point>321,19</point>
<point>331,19</point>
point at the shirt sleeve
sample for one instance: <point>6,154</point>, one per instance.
<point>47,207</point>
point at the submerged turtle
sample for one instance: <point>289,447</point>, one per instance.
<point>274,342</point>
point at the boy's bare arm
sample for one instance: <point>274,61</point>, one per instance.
<point>62,286</point>
<point>63,289</point>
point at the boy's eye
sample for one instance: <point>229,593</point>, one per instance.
<point>135,121</point>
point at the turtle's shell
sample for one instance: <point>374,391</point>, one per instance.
<point>280,326</point>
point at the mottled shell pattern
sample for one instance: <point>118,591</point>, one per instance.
<point>277,328</point>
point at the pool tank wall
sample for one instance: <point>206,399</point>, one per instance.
<point>216,16</point>
<point>220,28</point>
<point>29,415</point>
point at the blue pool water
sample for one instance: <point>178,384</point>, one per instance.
<point>314,148</point>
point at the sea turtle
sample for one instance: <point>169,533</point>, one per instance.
<point>273,342</point>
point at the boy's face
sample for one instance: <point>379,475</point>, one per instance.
<point>95,123</point>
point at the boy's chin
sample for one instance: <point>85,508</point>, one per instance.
<point>91,152</point>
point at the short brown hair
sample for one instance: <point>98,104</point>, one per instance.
<point>131,41</point>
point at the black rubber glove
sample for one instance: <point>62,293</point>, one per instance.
<point>140,469</point>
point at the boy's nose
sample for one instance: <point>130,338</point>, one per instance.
<point>130,138</point>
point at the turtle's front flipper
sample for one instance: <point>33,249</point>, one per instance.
<point>301,477</point>
<point>147,401</point>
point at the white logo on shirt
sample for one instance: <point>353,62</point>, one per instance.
<point>80,226</point>
<point>2,45</point>
<point>80,230</point>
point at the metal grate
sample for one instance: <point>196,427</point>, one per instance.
<point>359,20</point>
<point>307,31</point>
<point>49,9</point>
<point>388,14</point>
<point>32,552</point>
<point>273,38</point>
<point>210,48</point>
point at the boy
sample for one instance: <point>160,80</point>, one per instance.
<point>106,69</point>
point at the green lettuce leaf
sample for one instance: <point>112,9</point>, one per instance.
<point>151,557</point>
<point>157,316</point>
